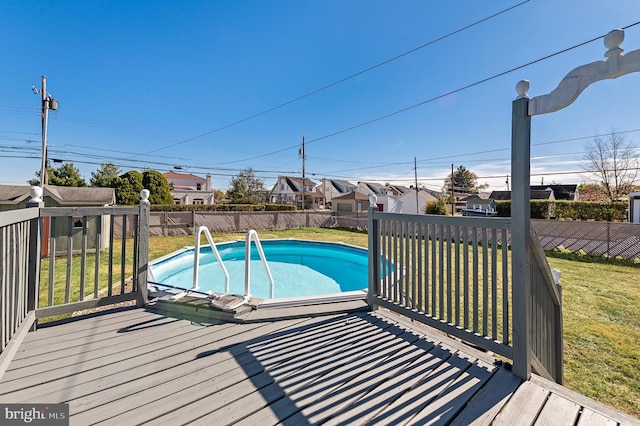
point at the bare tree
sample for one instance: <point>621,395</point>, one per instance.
<point>613,160</point>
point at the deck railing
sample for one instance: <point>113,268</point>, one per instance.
<point>19,246</point>
<point>59,260</point>
<point>99,269</point>
<point>546,316</point>
<point>455,274</point>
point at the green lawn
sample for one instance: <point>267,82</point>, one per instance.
<point>601,311</point>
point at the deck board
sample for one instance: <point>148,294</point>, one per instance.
<point>139,366</point>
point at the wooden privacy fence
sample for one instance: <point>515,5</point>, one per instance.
<point>610,239</point>
<point>455,274</point>
<point>185,223</point>
<point>74,275</point>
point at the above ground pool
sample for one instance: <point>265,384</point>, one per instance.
<point>299,268</point>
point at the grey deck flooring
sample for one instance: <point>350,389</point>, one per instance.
<point>136,366</point>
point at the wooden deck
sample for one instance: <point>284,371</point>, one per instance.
<point>134,366</point>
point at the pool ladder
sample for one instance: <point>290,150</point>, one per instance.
<point>251,235</point>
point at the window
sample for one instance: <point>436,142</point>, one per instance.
<point>176,201</point>
<point>77,222</point>
<point>198,187</point>
<point>198,201</point>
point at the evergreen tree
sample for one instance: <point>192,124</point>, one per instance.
<point>65,175</point>
<point>129,187</point>
<point>245,187</point>
<point>158,186</point>
<point>106,176</point>
<point>464,181</point>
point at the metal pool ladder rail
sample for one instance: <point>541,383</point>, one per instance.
<point>196,258</point>
<point>253,235</point>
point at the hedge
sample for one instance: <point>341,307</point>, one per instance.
<point>615,211</point>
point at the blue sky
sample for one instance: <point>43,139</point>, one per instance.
<point>163,83</point>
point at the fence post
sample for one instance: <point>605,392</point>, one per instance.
<point>521,232</point>
<point>35,241</point>
<point>143,247</point>
<point>374,254</point>
<point>608,239</point>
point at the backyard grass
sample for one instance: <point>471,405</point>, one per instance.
<point>601,312</point>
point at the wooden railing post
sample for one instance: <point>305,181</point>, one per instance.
<point>143,247</point>
<point>559,332</point>
<point>520,232</point>
<point>35,241</point>
<point>373,228</point>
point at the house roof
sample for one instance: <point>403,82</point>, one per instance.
<point>374,186</point>
<point>560,192</point>
<point>63,195</point>
<point>185,176</point>
<point>401,189</point>
<point>546,194</point>
<point>473,197</point>
<point>341,185</point>
<point>500,195</point>
<point>352,196</point>
<point>13,194</point>
<point>295,183</point>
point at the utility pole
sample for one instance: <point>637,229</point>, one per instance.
<point>303,158</point>
<point>507,182</point>
<point>47,103</point>
<point>415,179</point>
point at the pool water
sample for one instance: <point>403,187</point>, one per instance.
<point>299,268</point>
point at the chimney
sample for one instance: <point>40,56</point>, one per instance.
<point>208,188</point>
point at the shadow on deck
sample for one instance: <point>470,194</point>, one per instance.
<point>132,366</point>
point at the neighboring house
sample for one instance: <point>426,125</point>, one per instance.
<point>545,194</point>
<point>368,188</point>
<point>331,188</point>
<point>433,192</point>
<point>14,197</point>
<point>480,207</point>
<point>560,192</point>
<point>396,198</point>
<point>288,190</point>
<point>406,202</point>
<point>355,202</point>
<point>187,188</point>
<point>397,190</point>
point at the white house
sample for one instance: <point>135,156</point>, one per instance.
<point>187,188</point>
<point>396,199</point>
<point>406,203</point>
<point>289,190</point>
<point>368,188</point>
<point>331,188</point>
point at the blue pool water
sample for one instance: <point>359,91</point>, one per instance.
<point>298,268</point>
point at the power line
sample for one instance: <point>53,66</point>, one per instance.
<point>484,80</point>
<point>435,98</point>
<point>342,80</point>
